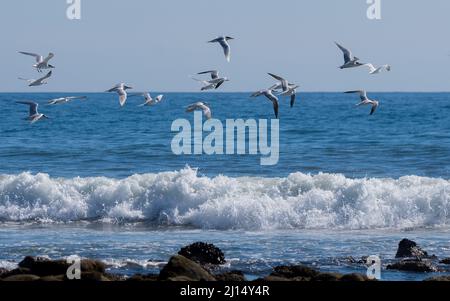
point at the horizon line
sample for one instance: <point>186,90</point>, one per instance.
<point>209,92</point>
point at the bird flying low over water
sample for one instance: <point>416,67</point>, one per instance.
<point>215,82</point>
<point>366,101</point>
<point>377,70</point>
<point>350,61</point>
<point>121,90</point>
<point>223,41</point>
<point>62,100</point>
<point>206,84</point>
<point>41,62</point>
<point>200,106</point>
<point>287,89</point>
<point>34,115</point>
<point>38,82</point>
<point>149,101</point>
<point>269,94</point>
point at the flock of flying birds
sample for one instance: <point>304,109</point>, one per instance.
<point>282,87</point>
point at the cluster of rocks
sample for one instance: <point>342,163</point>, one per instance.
<point>43,269</point>
<point>412,258</point>
<point>197,262</point>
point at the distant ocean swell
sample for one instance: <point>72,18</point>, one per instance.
<point>184,198</point>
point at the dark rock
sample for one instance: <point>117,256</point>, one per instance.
<point>439,279</point>
<point>354,278</point>
<point>93,277</point>
<point>294,272</point>
<point>181,266</point>
<point>90,265</point>
<point>203,253</point>
<point>57,278</point>
<point>20,278</point>
<point>45,267</point>
<point>327,277</point>
<point>180,279</point>
<point>445,261</point>
<point>409,248</point>
<point>233,276</point>
<point>18,271</point>
<point>421,266</point>
<point>3,271</point>
<point>272,279</point>
<point>143,278</point>
<point>113,277</point>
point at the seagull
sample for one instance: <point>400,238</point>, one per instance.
<point>206,84</point>
<point>149,101</point>
<point>34,114</point>
<point>41,62</point>
<point>366,101</point>
<point>215,78</point>
<point>200,106</point>
<point>62,100</point>
<point>284,82</point>
<point>373,70</point>
<point>269,94</point>
<point>121,90</point>
<point>350,61</point>
<point>288,89</point>
<point>223,41</point>
<point>292,92</point>
<point>38,82</point>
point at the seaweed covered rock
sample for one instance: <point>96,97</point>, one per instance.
<point>232,276</point>
<point>414,265</point>
<point>203,253</point>
<point>409,248</point>
<point>294,271</point>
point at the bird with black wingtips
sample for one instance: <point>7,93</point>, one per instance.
<point>33,115</point>
<point>365,100</point>
<point>223,41</point>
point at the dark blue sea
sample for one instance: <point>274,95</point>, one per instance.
<point>101,181</point>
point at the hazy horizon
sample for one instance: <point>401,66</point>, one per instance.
<point>154,47</point>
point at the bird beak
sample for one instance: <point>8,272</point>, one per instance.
<point>51,66</point>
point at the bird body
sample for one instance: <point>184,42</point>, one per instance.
<point>149,101</point>
<point>62,100</point>
<point>38,82</point>
<point>366,101</point>
<point>288,89</point>
<point>41,62</point>
<point>121,90</point>
<point>350,61</point>
<point>200,106</point>
<point>33,115</point>
<point>223,41</point>
<point>214,83</point>
<point>268,93</point>
<point>377,70</point>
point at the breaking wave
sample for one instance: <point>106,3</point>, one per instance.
<point>184,198</point>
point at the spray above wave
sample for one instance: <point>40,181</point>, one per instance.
<point>183,198</point>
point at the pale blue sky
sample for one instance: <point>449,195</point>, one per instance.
<point>155,45</point>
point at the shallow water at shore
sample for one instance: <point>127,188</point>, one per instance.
<point>131,249</point>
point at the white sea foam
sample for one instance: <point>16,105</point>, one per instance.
<point>183,198</point>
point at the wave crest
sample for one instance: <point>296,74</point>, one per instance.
<point>183,198</point>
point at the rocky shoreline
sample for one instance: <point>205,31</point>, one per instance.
<point>197,262</point>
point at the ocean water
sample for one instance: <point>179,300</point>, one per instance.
<point>101,181</point>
